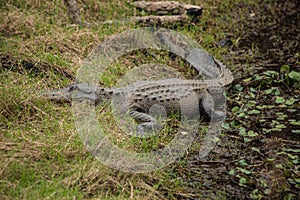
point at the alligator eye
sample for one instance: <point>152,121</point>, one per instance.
<point>73,87</point>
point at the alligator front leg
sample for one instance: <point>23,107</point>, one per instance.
<point>148,125</point>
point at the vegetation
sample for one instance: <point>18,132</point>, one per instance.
<point>257,157</point>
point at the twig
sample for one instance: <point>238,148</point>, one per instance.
<point>150,20</point>
<point>168,7</point>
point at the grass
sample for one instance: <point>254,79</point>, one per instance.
<point>42,156</point>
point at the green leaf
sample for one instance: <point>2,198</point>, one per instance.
<point>291,101</point>
<point>255,194</point>
<point>291,150</point>
<point>296,161</point>
<point>280,126</point>
<point>279,166</point>
<point>255,149</point>
<point>258,77</point>
<point>291,181</point>
<point>270,72</point>
<point>242,181</point>
<point>253,90</point>
<point>231,172</point>
<point>247,79</point>
<point>266,130</point>
<point>294,75</point>
<point>273,90</point>
<point>250,103</point>
<point>265,107</point>
<point>255,191</point>
<point>291,110</point>
<point>234,124</point>
<point>289,196</point>
<point>279,100</point>
<point>251,112</point>
<point>281,116</point>
<point>247,96</point>
<point>238,87</point>
<point>226,126</point>
<point>252,95</point>
<point>252,134</point>
<point>267,191</point>
<point>297,180</point>
<point>243,163</point>
<point>242,131</point>
<point>277,92</point>
<point>293,157</point>
<point>284,68</point>
<point>263,183</point>
<point>235,109</point>
<point>245,171</point>
<point>296,123</point>
<point>296,131</point>
<point>269,91</point>
<point>247,140</point>
<point>241,115</point>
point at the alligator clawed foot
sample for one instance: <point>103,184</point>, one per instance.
<point>146,129</point>
<point>219,114</point>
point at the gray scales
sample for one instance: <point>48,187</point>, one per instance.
<point>172,94</point>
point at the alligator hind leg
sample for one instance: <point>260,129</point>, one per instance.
<point>208,106</point>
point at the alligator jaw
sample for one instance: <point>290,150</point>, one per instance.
<point>59,95</point>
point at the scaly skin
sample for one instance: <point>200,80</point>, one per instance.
<point>172,94</point>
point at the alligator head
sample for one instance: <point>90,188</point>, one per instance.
<point>75,92</point>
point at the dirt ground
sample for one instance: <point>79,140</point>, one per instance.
<point>269,35</point>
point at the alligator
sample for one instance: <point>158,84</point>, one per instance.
<point>172,94</point>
